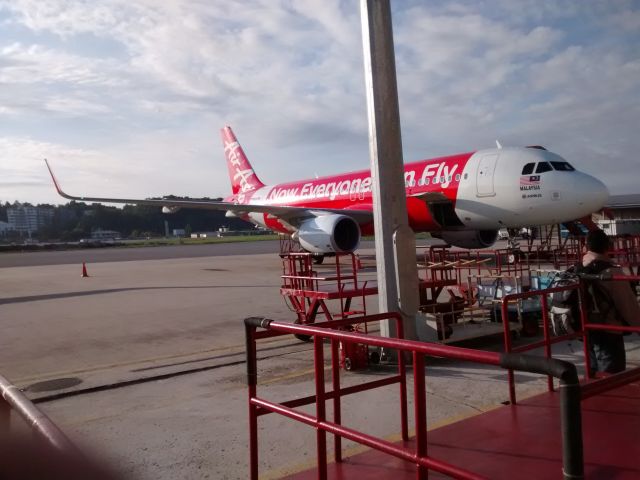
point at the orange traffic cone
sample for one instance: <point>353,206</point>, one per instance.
<point>84,270</point>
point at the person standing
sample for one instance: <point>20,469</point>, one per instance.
<point>617,305</point>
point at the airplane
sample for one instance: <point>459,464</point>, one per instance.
<point>463,199</point>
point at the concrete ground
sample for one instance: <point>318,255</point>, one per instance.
<point>142,364</point>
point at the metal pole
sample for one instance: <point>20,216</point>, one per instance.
<point>41,425</point>
<point>395,241</point>
<point>547,336</point>
<point>571,426</point>
<point>337,410</point>
<point>321,434</point>
<point>504,312</point>
<point>252,381</point>
<point>420,406</point>
<point>402,373</point>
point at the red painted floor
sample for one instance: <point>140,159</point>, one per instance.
<point>521,442</point>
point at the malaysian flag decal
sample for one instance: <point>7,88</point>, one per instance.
<point>530,182</point>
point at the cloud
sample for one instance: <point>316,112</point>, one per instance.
<point>145,85</point>
<point>193,56</point>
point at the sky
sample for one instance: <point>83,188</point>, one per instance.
<point>127,97</point>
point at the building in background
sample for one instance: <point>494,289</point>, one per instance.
<point>27,220</point>
<point>625,213</point>
<point>4,228</point>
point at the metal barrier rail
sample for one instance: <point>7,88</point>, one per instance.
<point>570,413</point>
<point>548,339</point>
<point>43,428</point>
<point>590,389</point>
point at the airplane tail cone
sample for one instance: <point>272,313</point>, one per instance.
<point>84,270</point>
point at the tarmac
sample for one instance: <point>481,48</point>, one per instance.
<point>142,363</point>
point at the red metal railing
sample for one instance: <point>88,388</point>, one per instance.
<point>570,395</point>
<point>589,389</point>
<point>308,292</point>
<point>12,399</point>
<point>562,253</point>
<point>547,341</point>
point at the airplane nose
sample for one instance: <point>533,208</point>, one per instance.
<point>595,193</point>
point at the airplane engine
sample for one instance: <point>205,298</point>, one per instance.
<point>170,209</point>
<point>470,239</point>
<point>328,234</point>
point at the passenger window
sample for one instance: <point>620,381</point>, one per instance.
<point>528,169</point>
<point>543,167</point>
<point>426,181</point>
<point>457,177</point>
<point>562,166</point>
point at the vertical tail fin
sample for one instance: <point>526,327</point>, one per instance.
<point>243,178</point>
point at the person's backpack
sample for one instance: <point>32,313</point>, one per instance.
<point>565,305</point>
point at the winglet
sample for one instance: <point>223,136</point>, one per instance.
<point>55,181</point>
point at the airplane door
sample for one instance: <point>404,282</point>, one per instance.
<point>484,178</point>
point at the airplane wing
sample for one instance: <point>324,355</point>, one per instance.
<point>292,215</point>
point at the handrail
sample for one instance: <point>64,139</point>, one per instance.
<point>570,413</point>
<point>597,386</point>
<point>41,425</point>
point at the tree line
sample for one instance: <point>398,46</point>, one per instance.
<point>76,220</point>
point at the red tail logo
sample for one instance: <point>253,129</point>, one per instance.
<point>243,178</point>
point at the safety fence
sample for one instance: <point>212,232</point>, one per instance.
<point>43,429</point>
<point>596,386</point>
<point>518,261</point>
<point>571,425</point>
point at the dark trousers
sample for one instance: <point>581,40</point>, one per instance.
<point>606,352</point>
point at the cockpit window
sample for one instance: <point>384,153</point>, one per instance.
<point>528,169</point>
<point>543,167</point>
<point>562,166</point>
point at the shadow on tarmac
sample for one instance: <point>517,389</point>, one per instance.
<point>85,293</point>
